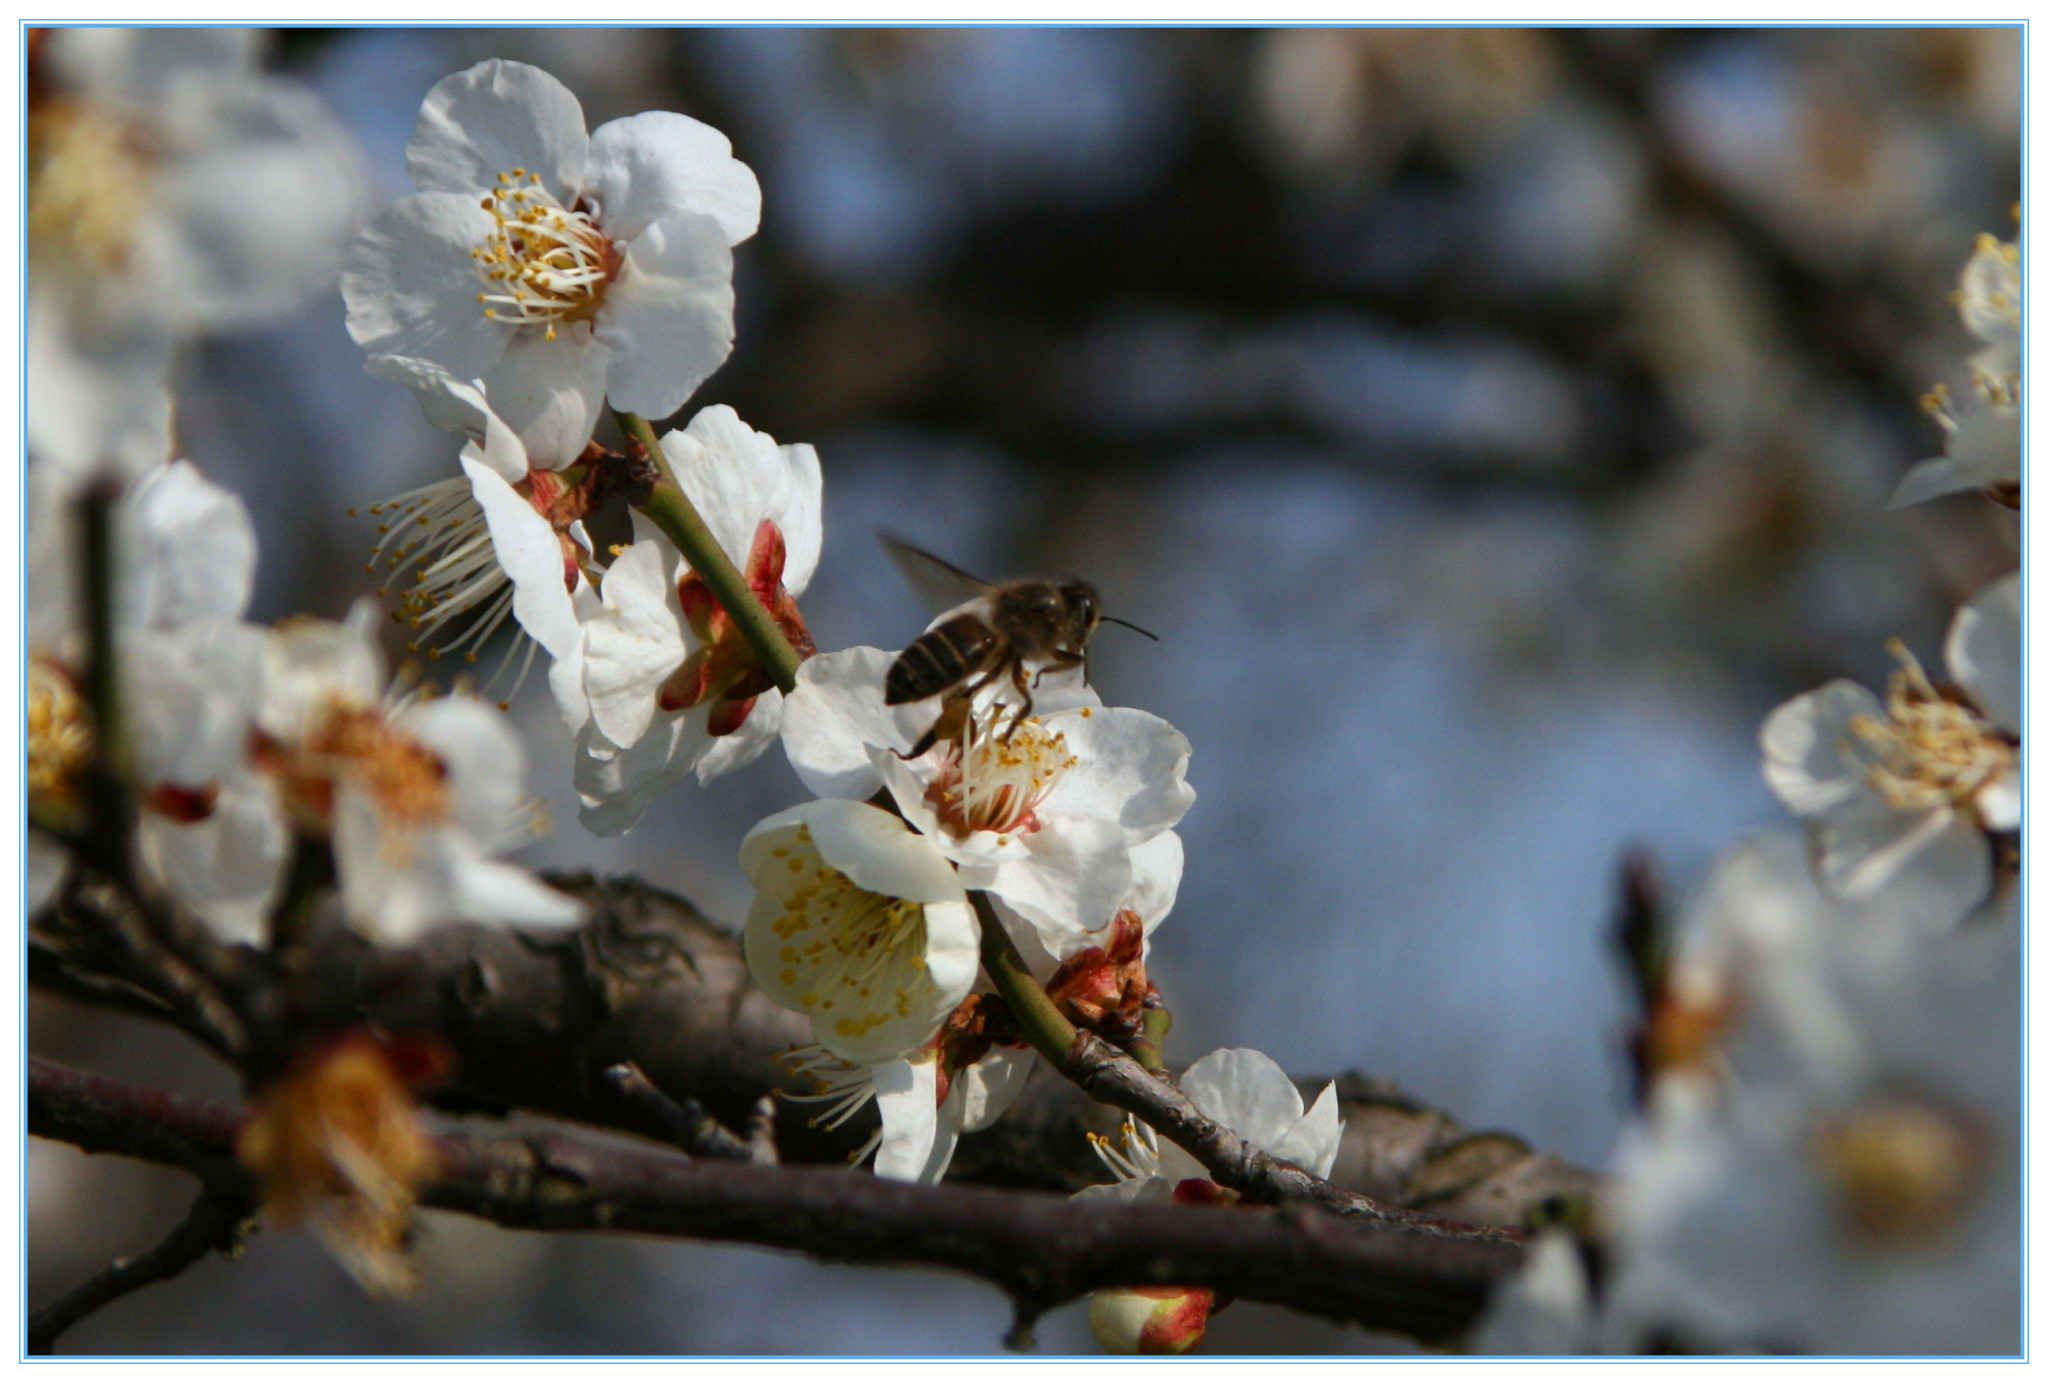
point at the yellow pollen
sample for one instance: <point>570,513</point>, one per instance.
<point>60,738</point>
<point>1901,1170</point>
<point>542,263</point>
<point>88,185</point>
<point>1931,750</point>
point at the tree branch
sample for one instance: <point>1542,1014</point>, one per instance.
<point>214,1223</point>
<point>535,1021</point>
<point>1042,1250</point>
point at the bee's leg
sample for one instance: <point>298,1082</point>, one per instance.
<point>1024,711</point>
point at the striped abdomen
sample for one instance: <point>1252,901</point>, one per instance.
<point>939,657</point>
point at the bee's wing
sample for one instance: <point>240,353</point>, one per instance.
<point>942,584</point>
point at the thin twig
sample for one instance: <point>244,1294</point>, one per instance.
<point>214,1223</point>
<point>681,1122</point>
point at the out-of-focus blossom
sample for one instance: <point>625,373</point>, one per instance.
<point>415,795</point>
<point>558,267</point>
<point>859,924</point>
<point>672,684</point>
<point>337,1142</point>
<point>1985,442</point>
<point>1042,812</point>
<point>171,189</point>
<point>1860,1196</point>
<point>504,537</point>
<point>1546,1308</point>
<point>185,556</point>
<point>1911,783</point>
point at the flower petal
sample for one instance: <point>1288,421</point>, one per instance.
<point>551,392</point>
<point>1810,754</point>
<point>1132,770</point>
<point>1866,843</point>
<point>616,784</point>
<point>189,550</point>
<point>1247,1092</point>
<point>836,713</point>
<point>1311,1144</point>
<point>1986,652</point>
<point>668,315</point>
<point>647,165</point>
<point>737,477</point>
<point>411,285</point>
<point>227,869</point>
<point>907,1093</point>
<point>635,641</point>
<point>531,555</point>
<point>493,118</point>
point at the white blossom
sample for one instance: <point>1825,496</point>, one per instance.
<point>1847,1197</point>
<point>672,684</point>
<point>415,795</point>
<point>860,925</point>
<point>924,1106</point>
<point>1043,813</point>
<point>1248,1093</point>
<point>1912,783</point>
<point>185,555</point>
<point>171,189</point>
<point>1984,443</point>
<point>559,267</point>
<point>505,538</point>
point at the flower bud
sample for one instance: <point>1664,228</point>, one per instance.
<point>1150,1320</point>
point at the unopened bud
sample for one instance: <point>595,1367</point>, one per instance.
<point>1150,1320</point>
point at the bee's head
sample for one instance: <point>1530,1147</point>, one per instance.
<point>1084,608</point>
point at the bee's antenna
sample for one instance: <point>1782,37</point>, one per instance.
<point>1112,619</point>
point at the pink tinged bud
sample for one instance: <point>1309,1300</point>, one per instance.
<point>727,716</point>
<point>1150,1320</point>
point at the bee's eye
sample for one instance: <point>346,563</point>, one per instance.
<point>1083,603</point>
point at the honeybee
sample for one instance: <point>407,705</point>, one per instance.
<point>1008,626</point>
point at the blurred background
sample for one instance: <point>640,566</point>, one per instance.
<point>1494,425</point>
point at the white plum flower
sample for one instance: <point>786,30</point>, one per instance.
<point>1849,1198</point>
<point>926,1101</point>
<point>505,538</point>
<point>189,664</point>
<point>672,684</point>
<point>415,796</point>
<point>860,925</point>
<point>1248,1093</point>
<point>558,267</point>
<point>1911,783</point>
<point>1984,446</point>
<point>1042,812</point>
<point>171,189</point>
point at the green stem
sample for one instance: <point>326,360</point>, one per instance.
<point>678,518</point>
<point>1042,1024</point>
<point>1150,1046</point>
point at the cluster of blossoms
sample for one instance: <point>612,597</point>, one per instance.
<point>1829,1154</point>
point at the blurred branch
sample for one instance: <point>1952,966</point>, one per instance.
<point>1041,1250</point>
<point>215,1223</point>
<point>682,1122</point>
